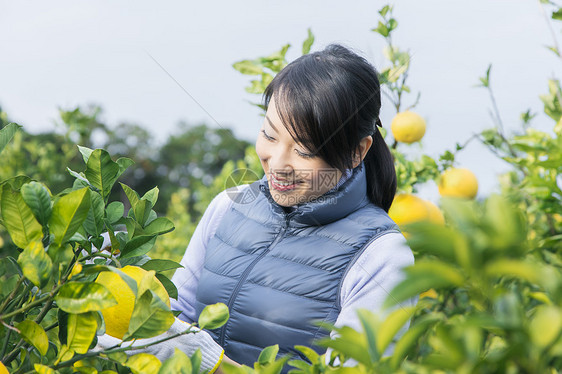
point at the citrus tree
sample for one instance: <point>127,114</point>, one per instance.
<point>82,269</point>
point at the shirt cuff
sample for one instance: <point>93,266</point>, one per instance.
<point>219,362</point>
<point>212,354</point>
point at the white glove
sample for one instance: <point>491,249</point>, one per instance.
<point>211,352</point>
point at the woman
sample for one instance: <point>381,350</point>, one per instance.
<point>315,243</point>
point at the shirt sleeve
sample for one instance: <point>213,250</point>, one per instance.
<point>371,279</point>
<point>186,279</point>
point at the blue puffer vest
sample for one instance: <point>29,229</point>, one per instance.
<point>278,272</point>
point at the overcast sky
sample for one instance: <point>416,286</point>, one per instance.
<point>68,53</point>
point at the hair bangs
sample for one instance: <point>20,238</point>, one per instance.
<point>312,111</point>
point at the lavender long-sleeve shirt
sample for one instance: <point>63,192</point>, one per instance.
<point>366,285</point>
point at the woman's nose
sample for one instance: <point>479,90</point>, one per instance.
<point>281,165</point>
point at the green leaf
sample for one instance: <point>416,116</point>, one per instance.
<point>248,67</point>
<point>115,243</point>
<point>138,246</point>
<point>101,171</point>
<point>370,326</point>
<point>161,265</point>
<point>34,334</point>
<point>384,10</point>
<point>16,182</point>
<point>124,163</point>
<point>545,325</point>
<point>93,224</point>
<point>150,317</point>
<point>141,211</point>
<point>120,357</point>
<point>42,369</point>
<point>179,363</point>
<point>80,178</point>
<point>86,152</point>
<point>309,353</point>
<point>412,336</point>
<point>75,297</point>
<point>381,29</point>
<point>443,242</point>
<point>507,224</point>
<point>151,196</point>
<point>133,227</point>
<point>422,276</point>
<point>115,211</point>
<point>392,24</point>
<point>35,264</point>
<point>350,343</point>
<point>131,194</point>
<point>159,226</point>
<point>6,134</point>
<point>553,50</point>
<point>486,80</point>
<point>196,359</point>
<point>392,325</point>
<point>18,218</point>
<point>557,15</point>
<point>143,363</point>
<point>307,44</point>
<point>151,217</point>
<point>95,269</point>
<point>300,364</point>
<point>268,354</point>
<point>213,316</point>
<point>514,268</point>
<point>81,330</point>
<point>38,197</point>
<point>168,285</point>
<point>235,369</point>
<point>274,367</point>
<point>69,212</point>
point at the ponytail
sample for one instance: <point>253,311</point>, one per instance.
<point>380,172</point>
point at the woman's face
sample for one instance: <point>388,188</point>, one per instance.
<point>294,174</point>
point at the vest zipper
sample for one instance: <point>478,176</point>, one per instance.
<point>249,268</point>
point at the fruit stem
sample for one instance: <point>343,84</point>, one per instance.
<point>32,304</point>
<point>117,349</point>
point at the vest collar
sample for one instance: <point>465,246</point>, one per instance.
<point>332,206</point>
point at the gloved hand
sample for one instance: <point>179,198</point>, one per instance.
<point>211,352</point>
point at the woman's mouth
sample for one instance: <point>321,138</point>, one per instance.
<point>282,185</point>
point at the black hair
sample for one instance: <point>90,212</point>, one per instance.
<point>329,100</point>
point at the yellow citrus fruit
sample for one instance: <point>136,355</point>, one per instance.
<point>435,214</point>
<point>408,208</point>
<point>407,127</point>
<point>3,369</point>
<point>458,182</point>
<point>118,316</point>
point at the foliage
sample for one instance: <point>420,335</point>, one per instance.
<point>494,269</point>
<point>194,157</point>
<point>51,306</point>
<point>267,67</point>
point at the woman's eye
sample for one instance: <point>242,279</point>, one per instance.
<point>306,155</point>
<point>267,136</point>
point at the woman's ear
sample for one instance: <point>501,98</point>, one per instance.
<point>362,150</point>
